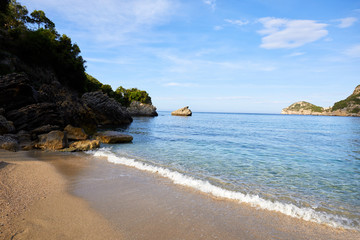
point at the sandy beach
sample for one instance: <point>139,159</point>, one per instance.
<point>117,202</point>
<point>34,204</point>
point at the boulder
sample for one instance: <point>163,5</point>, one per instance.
<point>53,140</point>
<point>84,145</point>
<point>142,109</point>
<point>113,137</point>
<point>75,133</point>
<point>9,143</point>
<point>6,126</point>
<point>185,111</point>
<point>107,110</point>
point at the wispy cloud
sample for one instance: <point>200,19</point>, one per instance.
<point>113,20</point>
<point>218,28</point>
<point>353,51</point>
<point>237,22</point>
<point>295,54</point>
<point>346,22</point>
<point>284,33</point>
<point>211,3</point>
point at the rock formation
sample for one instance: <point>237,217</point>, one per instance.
<point>84,145</point>
<point>142,109</point>
<point>113,137</point>
<point>185,111</point>
<point>347,107</point>
<point>74,133</point>
<point>34,112</point>
<point>303,108</point>
<point>53,140</point>
<point>107,110</point>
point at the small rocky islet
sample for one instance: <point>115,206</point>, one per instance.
<point>347,107</point>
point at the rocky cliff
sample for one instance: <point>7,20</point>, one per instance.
<point>137,108</point>
<point>29,108</point>
<point>347,107</point>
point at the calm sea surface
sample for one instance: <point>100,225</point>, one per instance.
<point>303,166</point>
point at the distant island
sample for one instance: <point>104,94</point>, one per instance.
<point>347,107</point>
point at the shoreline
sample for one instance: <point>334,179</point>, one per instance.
<point>142,205</point>
<point>35,203</point>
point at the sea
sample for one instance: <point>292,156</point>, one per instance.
<point>306,167</point>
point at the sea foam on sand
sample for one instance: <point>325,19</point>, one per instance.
<point>307,214</point>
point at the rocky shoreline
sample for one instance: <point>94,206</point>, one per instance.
<point>50,116</point>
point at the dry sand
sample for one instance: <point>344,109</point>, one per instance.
<point>34,204</point>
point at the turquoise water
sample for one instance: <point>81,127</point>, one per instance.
<point>303,166</point>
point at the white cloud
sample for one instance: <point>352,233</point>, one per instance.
<point>284,33</point>
<point>353,51</point>
<point>218,28</point>
<point>295,54</point>
<point>346,22</point>
<point>109,20</point>
<point>237,22</point>
<point>211,3</point>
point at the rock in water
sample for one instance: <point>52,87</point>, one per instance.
<point>53,140</point>
<point>113,137</point>
<point>185,111</point>
<point>75,133</point>
<point>9,143</point>
<point>142,109</point>
<point>84,145</point>
<point>107,110</point>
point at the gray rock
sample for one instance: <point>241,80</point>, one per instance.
<point>75,133</point>
<point>53,140</point>
<point>6,126</point>
<point>185,111</point>
<point>113,137</point>
<point>141,109</point>
<point>107,110</point>
<point>9,143</point>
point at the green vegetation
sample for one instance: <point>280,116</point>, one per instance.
<point>352,99</point>
<point>37,47</point>
<point>122,95</point>
<point>355,110</point>
<point>305,106</point>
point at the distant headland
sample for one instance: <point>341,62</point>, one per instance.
<point>347,107</point>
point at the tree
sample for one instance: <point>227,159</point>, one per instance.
<point>12,14</point>
<point>38,17</point>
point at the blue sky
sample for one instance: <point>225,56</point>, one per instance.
<point>218,55</point>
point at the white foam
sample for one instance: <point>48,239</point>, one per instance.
<point>307,214</point>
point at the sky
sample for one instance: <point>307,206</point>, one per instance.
<point>247,56</point>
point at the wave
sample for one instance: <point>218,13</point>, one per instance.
<point>307,214</point>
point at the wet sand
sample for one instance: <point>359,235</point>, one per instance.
<point>145,206</point>
<point>35,204</point>
<point>137,204</point>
